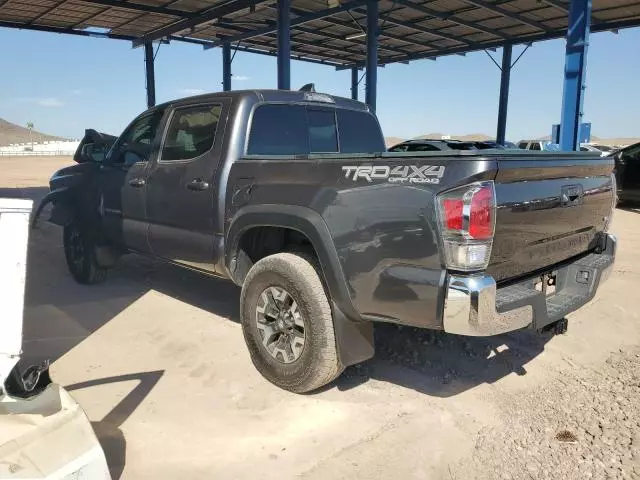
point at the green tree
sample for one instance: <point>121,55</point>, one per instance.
<point>30,127</point>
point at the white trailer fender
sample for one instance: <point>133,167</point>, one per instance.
<point>47,436</point>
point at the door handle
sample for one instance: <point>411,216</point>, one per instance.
<point>137,182</point>
<point>197,185</point>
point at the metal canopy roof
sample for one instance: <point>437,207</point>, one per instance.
<point>322,31</point>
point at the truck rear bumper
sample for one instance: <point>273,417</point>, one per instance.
<point>475,306</point>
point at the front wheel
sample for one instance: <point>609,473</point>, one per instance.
<point>80,253</point>
<point>287,323</point>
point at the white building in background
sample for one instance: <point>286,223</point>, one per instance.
<point>64,147</point>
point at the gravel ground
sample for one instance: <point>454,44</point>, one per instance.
<point>583,424</point>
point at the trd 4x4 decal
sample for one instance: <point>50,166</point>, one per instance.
<point>399,174</point>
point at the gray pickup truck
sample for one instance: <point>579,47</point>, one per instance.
<point>291,196</point>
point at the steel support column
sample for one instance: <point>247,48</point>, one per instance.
<point>226,67</point>
<point>354,83</point>
<point>150,75</point>
<point>372,54</point>
<point>284,44</point>
<point>505,77</point>
<point>575,72</point>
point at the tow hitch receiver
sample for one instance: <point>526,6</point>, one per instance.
<point>558,327</point>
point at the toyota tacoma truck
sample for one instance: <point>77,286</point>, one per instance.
<point>291,196</point>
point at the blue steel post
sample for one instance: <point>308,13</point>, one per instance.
<point>372,54</point>
<point>226,67</point>
<point>284,45</point>
<point>150,75</point>
<point>354,83</point>
<point>505,77</point>
<point>575,72</point>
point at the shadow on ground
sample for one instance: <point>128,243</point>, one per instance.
<point>441,364</point>
<point>108,429</point>
<point>59,314</point>
<point>629,207</point>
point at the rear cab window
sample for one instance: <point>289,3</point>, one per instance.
<point>291,129</point>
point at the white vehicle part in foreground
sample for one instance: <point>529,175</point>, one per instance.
<point>47,436</point>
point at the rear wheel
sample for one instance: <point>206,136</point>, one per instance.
<point>287,323</point>
<point>80,253</point>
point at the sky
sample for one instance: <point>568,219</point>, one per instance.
<point>64,84</point>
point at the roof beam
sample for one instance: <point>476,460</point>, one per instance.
<point>269,51</point>
<point>80,33</point>
<point>451,18</point>
<point>308,17</point>
<point>419,28</point>
<point>559,5</point>
<point>134,19</point>
<point>506,13</point>
<point>201,17</point>
<point>139,7</point>
<point>46,12</point>
<point>319,33</point>
<point>358,27</point>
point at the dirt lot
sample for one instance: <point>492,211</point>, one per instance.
<point>156,357</point>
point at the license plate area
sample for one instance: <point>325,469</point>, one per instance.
<point>546,284</point>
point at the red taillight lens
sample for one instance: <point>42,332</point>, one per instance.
<point>453,213</point>
<point>466,218</point>
<point>481,211</point>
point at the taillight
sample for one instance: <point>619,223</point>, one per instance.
<point>467,222</point>
<point>614,202</point>
<point>453,213</point>
<point>481,215</point>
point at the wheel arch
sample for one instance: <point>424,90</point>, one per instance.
<point>353,335</point>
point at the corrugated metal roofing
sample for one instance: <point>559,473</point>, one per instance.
<point>409,29</point>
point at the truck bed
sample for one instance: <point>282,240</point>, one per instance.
<point>385,229</point>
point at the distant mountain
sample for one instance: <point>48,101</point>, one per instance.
<point>391,141</point>
<point>12,133</point>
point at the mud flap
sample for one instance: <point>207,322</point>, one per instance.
<point>354,340</point>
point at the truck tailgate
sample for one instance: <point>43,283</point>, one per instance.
<point>550,208</point>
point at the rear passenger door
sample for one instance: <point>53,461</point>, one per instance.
<point>181,188</point>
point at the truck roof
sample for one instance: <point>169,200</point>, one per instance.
<point>287,96</point>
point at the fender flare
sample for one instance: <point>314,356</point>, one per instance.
<point>354,335</point>
<point>63,207</point>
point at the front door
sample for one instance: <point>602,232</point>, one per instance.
<point>181,189</point>
<point>122,181</point>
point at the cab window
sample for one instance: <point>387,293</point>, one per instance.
<point>191,132</point>
<point>136,142</point>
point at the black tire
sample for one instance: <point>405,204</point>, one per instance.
<point>318,363</point>
<point>80,253</point>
